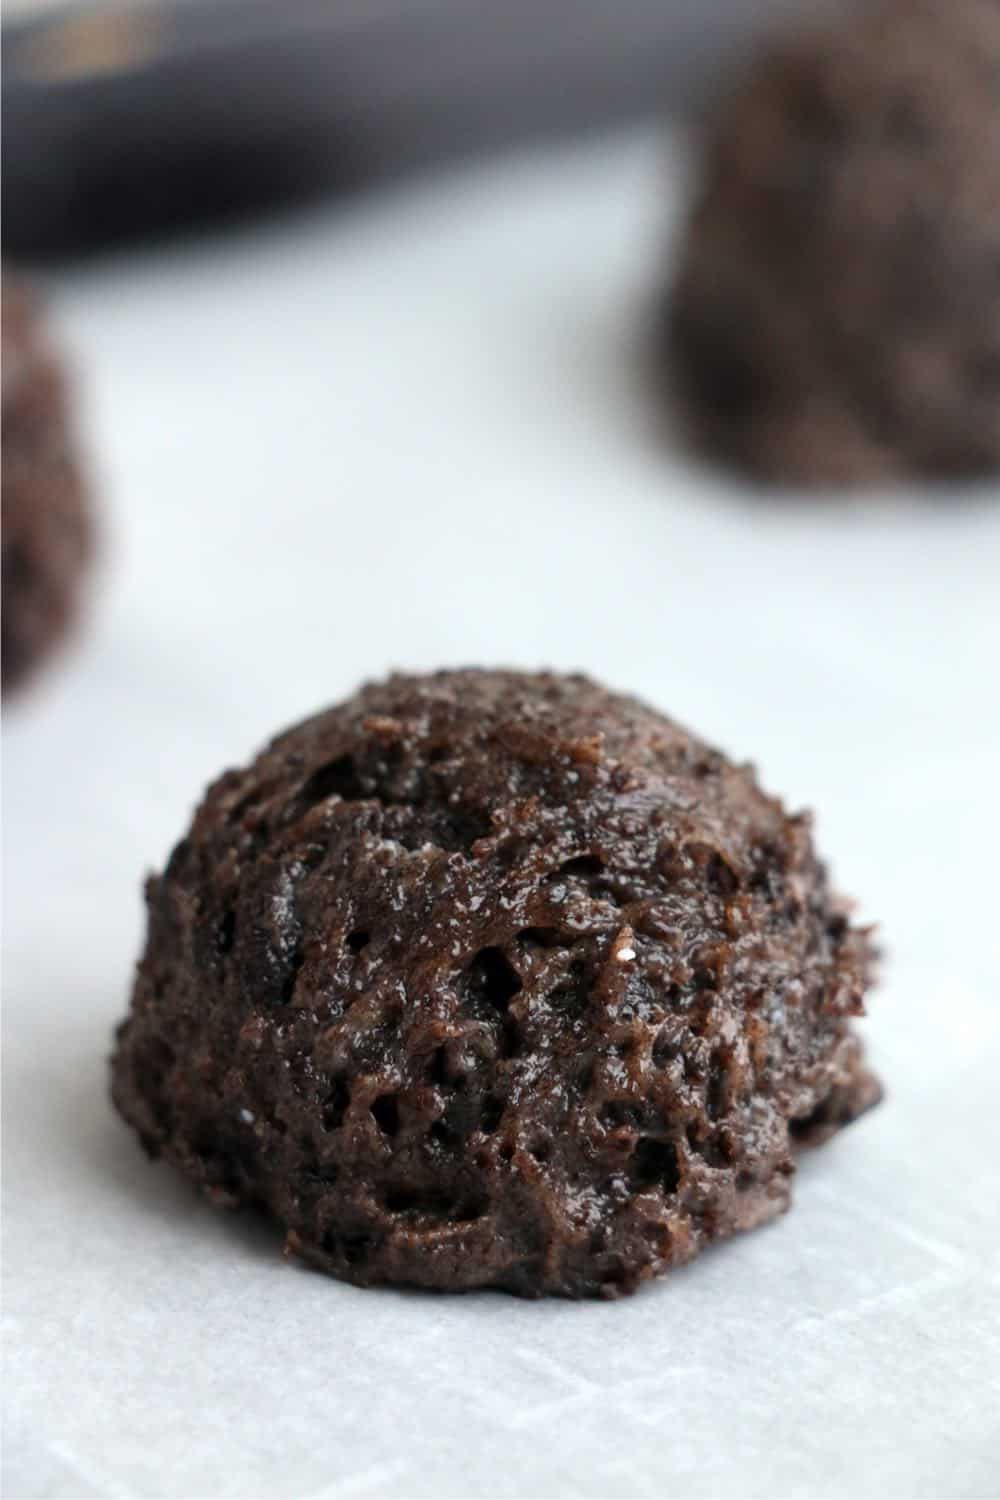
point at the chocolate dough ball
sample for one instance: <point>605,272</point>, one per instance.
<point>46,525</point>
<point>491,979</point>
<point>836,317</point>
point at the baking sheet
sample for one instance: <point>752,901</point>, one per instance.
<point>411,434</point>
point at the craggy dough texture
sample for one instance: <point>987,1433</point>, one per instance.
<point>46,520</point>
<point>491,979</point>
<point>836,317</point>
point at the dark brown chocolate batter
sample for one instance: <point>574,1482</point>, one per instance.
<point>836,317</point>
<point>46,523</point>
<point>491,979</point>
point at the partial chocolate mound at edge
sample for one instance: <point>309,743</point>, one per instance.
<point>836,315</point>
<point>494,979</point>
<point>47,531</point>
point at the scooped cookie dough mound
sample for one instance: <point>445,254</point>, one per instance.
<point>494,979</point>
<point>836,316</point>
<point>46,518</point>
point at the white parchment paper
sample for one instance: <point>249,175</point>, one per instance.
<point>410,432</point>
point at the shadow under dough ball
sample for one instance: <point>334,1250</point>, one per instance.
<point>493,979</point>
<point>46,515</point>
<point>836,316</point>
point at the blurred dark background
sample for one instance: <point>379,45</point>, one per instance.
<point>131,120</point>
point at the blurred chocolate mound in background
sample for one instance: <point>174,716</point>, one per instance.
<point>836,317</point>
